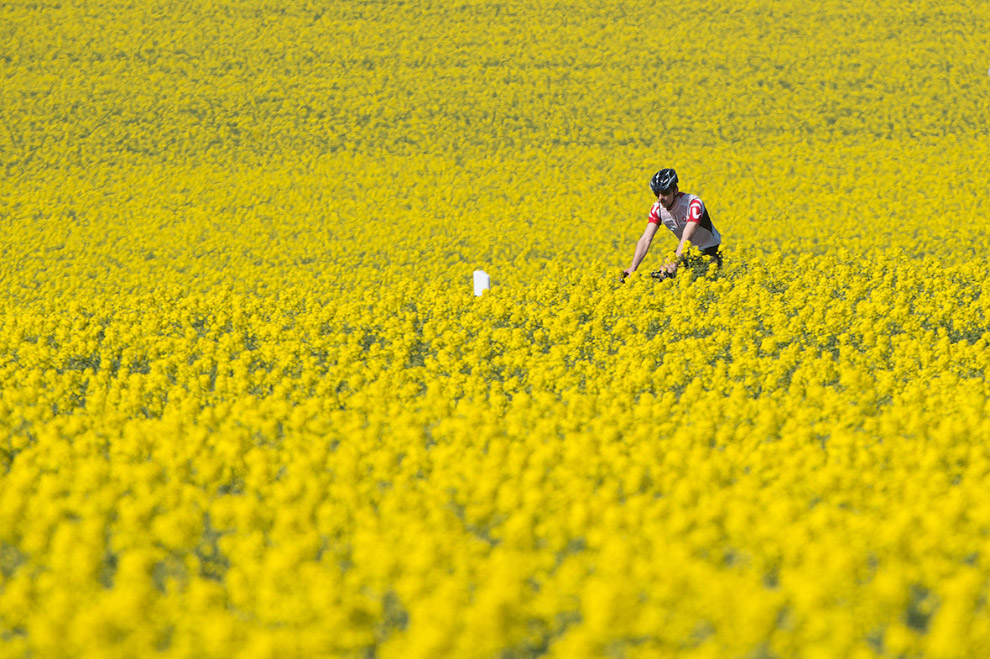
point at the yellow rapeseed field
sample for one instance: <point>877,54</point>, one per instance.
<point>251,407</point>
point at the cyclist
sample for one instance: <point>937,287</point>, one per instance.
<point>686,216</point>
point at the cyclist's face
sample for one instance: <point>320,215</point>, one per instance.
<point>666,197</point>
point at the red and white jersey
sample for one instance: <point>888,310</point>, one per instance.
<point>687,208</point>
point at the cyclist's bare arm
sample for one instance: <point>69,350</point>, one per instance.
<point>686,238</point>
<point>642,247</point>
<point>671,266</point>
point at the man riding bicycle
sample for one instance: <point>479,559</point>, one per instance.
<point>686,217</point>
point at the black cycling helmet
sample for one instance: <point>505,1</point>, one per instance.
<point>663,180</point>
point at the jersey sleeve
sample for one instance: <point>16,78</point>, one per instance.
<point>654,214</point>
<point>695,211</point>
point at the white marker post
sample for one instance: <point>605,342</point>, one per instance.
<point>482,282</point>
